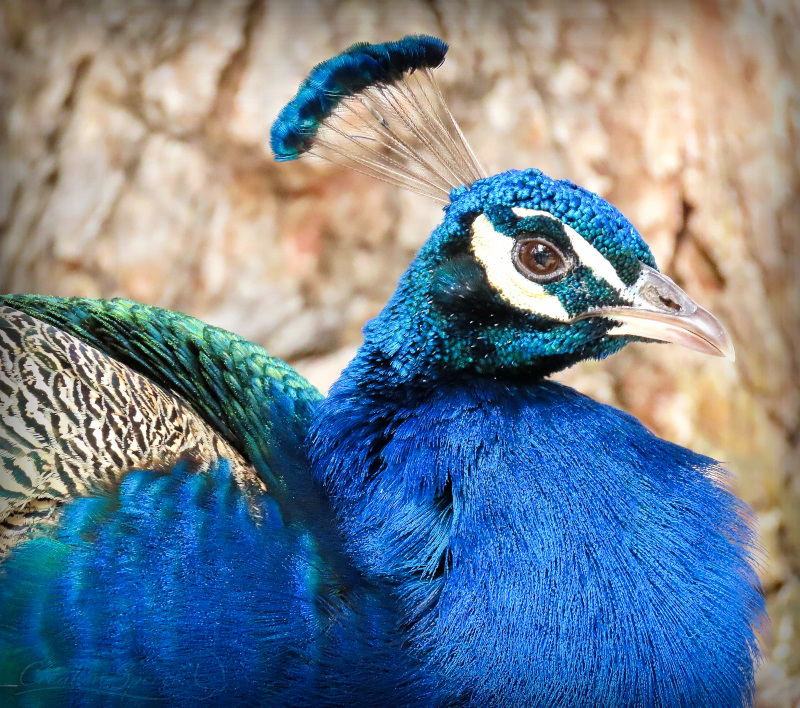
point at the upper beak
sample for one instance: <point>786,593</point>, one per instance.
<point>663,312</point>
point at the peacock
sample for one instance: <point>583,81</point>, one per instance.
<point>186,520</point>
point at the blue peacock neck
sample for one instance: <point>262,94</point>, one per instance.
<point>412,344</point>
<point>538,534</point>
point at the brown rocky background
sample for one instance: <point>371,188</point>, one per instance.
<point>134,163</point>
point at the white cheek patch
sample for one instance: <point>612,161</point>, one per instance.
<point>587,254</point>
<point>493,251</point>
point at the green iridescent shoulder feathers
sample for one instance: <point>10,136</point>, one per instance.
<point>93,389</point>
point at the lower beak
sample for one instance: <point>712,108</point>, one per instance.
<point>661,311</point>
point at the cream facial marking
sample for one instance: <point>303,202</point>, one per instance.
<point>586,253</point>
<point>493,251</point>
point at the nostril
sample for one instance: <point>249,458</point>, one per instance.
<point>669,302</point>
<point>655,291</point>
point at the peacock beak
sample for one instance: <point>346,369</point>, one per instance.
<point>661,311</point>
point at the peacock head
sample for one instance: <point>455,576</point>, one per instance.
<point>525,275</point>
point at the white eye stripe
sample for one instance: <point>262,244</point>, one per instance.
<point>587,254</point>
<point>493,251</point>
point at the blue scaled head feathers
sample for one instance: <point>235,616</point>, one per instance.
<point>525,275</point>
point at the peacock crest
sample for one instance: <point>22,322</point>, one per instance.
<point>378,109</point>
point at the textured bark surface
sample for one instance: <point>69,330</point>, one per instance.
<point>135,163</point>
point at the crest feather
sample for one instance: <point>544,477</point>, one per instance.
<point>377,109</point>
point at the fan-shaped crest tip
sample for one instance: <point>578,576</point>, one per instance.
<point>377,109</point>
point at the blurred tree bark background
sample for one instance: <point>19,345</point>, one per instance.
<point>135,163</point>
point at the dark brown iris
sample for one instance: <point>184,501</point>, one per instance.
<point>538,260</point>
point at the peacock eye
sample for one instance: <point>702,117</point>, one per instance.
<point>538,260</point>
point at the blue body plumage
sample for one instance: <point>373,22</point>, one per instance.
<point>186,519</point>
<point>533,555</point>
<point>175,590</point>
<point>515,541</point>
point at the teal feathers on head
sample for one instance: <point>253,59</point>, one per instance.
<point>526,274</point>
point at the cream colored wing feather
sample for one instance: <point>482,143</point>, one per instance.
<point>74,421</point>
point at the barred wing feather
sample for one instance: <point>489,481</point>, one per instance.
<point>74,421</point>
